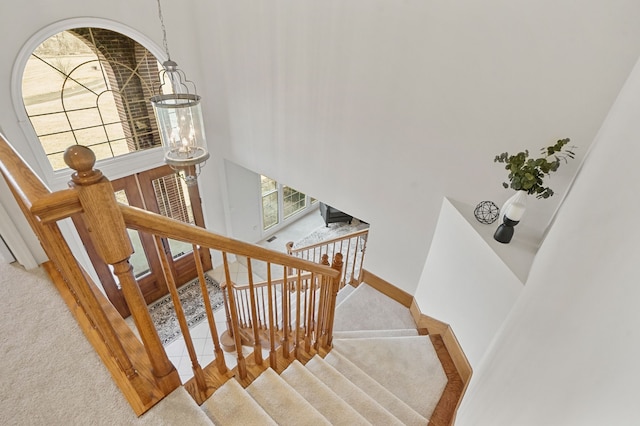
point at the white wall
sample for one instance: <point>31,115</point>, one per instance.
<point>568,354</point>
<point>465,283</point>
<point>244,206</point>
<point>383,108</point>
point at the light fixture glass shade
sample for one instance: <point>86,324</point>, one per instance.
<point>179,119</point>
<point>181,128</point>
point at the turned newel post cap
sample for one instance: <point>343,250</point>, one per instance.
<point>337,260</point>
<point>82,159</point>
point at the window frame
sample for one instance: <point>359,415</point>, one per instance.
<point>113,167</point>
<point>310,204</point>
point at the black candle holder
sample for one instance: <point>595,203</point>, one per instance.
<point>505,231</point>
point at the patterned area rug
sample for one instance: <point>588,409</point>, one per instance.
<point>164,316</point>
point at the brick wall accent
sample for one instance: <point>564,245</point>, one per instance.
<point>133,76</point>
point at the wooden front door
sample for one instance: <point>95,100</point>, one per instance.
<point>158,190</point>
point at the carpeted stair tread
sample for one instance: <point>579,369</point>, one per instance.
<point>407,366</point>
<point>177,407</point>
<point>375,390</point>
<point>327,402</point>
<point>357,398</point>
<point>343,293</point>
<point>283,404</point>
<point>355,312</point>
<point>357,334</point>
<point>231,405</point>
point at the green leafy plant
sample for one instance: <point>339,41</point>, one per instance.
<point>527,174</point>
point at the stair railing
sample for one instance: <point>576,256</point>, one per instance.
<point>141,367</point>
<point>352,246</point>
<point>291,302</point>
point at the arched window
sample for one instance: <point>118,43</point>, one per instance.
<point>91,86</point>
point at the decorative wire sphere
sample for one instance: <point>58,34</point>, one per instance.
<point>486,212</point>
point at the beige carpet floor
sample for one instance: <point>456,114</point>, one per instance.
<point>51,374</point>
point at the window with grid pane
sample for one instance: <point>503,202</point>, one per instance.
<point>270,208</point>
<point>293,201</point>
<point>90,86</point>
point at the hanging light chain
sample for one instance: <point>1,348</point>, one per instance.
<point>164,31</point>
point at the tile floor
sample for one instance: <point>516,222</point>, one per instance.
<point>203,343</point>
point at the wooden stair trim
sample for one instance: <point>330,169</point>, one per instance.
<point>134,348</point>
<point>445,411</point>
<point>386,288</point>
<point>450,352</point>
<point>452,357</point>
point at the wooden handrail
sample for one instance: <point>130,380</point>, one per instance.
<point>295,250</point>
<point>142,220</point>
<point>290,278</point>
<point>25,184</point>
<point>91,195</point>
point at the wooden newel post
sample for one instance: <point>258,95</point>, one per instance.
<point>109,235</point>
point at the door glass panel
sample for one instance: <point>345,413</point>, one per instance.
<point>172,196</point>
<point>138,259</point>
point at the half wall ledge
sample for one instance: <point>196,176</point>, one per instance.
<point>518,255</point>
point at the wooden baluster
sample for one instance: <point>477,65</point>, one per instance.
<point>182,319</point>
<point>239,294</point>
<point>322,312</point>
<point>257,347</point>
<point>297,322</point>
<point>335,284</point>
<point>345,261</point>
<point>286,328</point>
<point>305,289</point>
<point>246,300</point>
<point>333,248</point>
<point>320,323</point>
<point>227,311</point>
<point>242,365</point>
<point>274,300</point>
<point>311,308</point>
<point>108,233</point>
<point>246,306</point>
<point>273,359</point>
<point>217,349</point>
<point>353,261</point>
<point>263,310</point>
<point>363,251</point>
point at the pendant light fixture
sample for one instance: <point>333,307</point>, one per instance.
<point>176,106</point>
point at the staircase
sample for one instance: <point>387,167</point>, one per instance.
<point>361,349</point>
<point>380,371</point>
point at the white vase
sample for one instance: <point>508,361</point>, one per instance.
<point>510,215</point>
<point>516,205</point>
